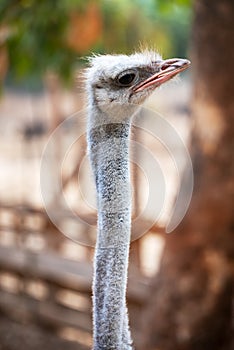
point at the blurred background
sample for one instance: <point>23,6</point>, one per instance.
<point>180,285</point>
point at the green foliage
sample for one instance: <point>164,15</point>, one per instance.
<point>38,31</point>
<point>160,24</point>
<point>176,17</point>
<point>37,36</point>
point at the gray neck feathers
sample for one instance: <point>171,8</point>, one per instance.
<point>109,154</point>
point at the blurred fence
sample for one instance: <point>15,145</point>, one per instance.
<point>38,285</point>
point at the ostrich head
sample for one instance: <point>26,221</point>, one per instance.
<point>118,84</point>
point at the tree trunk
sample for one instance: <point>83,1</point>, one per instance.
<point>191,304</point>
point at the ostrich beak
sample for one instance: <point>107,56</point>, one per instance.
<point>168,69</point>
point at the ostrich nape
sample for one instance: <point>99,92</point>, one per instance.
<point>116,85</point>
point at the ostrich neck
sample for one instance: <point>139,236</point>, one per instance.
<point>109,155</point>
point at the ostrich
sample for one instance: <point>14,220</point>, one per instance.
<point>116,86</point>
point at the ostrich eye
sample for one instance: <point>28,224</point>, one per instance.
<point>127,78</point>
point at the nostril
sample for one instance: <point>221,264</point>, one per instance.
<point>169,63</point>
<point>173,61</point>
<point>165,66</point>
